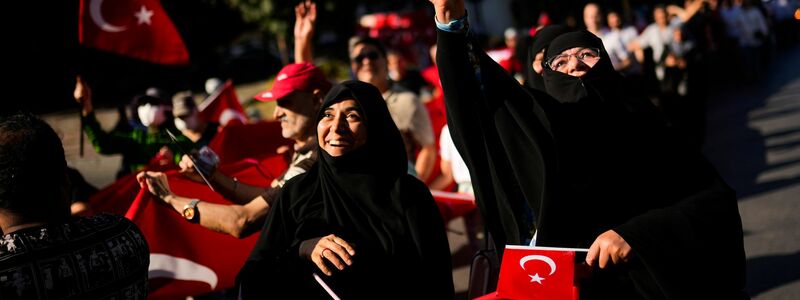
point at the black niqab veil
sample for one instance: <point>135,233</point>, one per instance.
<point>540,41</point>
<point>621,168</point>
<point>366,198</point>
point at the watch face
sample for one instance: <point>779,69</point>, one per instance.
<point>188,213</point>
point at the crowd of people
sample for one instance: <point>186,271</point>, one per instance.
<point>587,138</point>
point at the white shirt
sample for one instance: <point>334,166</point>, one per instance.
<point>448,152</point>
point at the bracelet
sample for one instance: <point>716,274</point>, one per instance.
<point>457,25</point>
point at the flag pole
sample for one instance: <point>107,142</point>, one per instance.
<point>189,155</point>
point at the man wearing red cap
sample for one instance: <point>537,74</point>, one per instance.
<point>299,90</point>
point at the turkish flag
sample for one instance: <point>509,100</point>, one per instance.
<point>262,138</point>
<point>135,28</point>
<point>223,106</point>
<point>185,258</point>
<point>540,273</point>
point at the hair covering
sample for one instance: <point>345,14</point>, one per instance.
<point>366,198</point>
<point>540,41</point>
<point>615,166</point>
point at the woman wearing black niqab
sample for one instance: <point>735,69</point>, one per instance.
<point>641,201</point>
<point>539,42</point>
<point>357,208</point>
<point>600,163</point>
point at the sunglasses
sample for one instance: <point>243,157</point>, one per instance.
<point>362,56</point>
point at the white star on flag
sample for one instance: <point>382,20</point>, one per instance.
<point>143,16</point>
<point>536,278</point>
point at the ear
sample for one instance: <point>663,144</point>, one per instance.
<point>318,97</point>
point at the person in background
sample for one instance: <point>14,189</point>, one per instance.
<point>140,145</point>
<point>356,219</point>
<point>454,170</point>
<point>616,41</point>
<point>401,73</point>
<point>593,19</point>
<point>298,91</point>
<point>368,63</point>
<point>45,252</point>
<point>613,179</point>
<point>188,120</point>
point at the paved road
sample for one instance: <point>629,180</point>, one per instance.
<point>754,140</point>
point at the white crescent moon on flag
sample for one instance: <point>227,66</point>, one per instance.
<point>543,258</point>
<point>168,266</point>
<point>97,17</point>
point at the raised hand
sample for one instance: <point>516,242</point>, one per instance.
<point>83,95</point>
<point>156,183</point>
<point>305,15</point>
<point>448,10</point>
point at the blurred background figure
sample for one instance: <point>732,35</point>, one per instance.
<point>140,146</point>
<point>188,120</point>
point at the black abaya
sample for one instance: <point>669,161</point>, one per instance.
<point>366,198</point>
<point>611,165</point>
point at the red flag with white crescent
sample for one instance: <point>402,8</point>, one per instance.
<point>540,273</point>
<point>136,28</point>
<point>223,107</point>
<point>185,258</point>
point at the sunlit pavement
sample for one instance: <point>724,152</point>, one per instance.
<point>753,138</point>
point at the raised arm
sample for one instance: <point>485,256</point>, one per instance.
<point>305,15</point>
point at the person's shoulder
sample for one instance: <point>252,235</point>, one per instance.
<point>400,91</point>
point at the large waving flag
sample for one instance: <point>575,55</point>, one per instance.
<point>137,28</point>
<point>185,258</point>
<point>260,138</point>
<point>223,106</point>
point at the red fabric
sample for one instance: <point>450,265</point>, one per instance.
<point>526,273</point>
<point>117,197</point>
<point>224,99</point>
<point>239,141</point>
<point>187,259</point>
<point>215,258</point>
<point>137,28</point>
<point>453,205</point>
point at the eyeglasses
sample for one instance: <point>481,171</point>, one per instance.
<point>559,62</point>
<point>362,56</point>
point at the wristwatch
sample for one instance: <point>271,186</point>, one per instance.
<point>190,212</point>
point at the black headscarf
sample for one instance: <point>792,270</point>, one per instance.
<point>540,41</point>
<point>621,167</point>
<point>366,198</point>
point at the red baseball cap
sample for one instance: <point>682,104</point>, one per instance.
<point>295,77</point>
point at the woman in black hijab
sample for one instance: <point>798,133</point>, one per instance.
<point>604,174</point>
<point>539,42</point>
<point>628,190</point>
<point>355,216</point>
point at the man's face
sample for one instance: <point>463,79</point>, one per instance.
<point>660,16</point>
<point>614,21</point>
<point>295,112</point>
<point>368,64</point>
<point>591,16</point>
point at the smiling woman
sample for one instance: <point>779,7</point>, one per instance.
<point>356,218</point>
<point>342,128</point>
